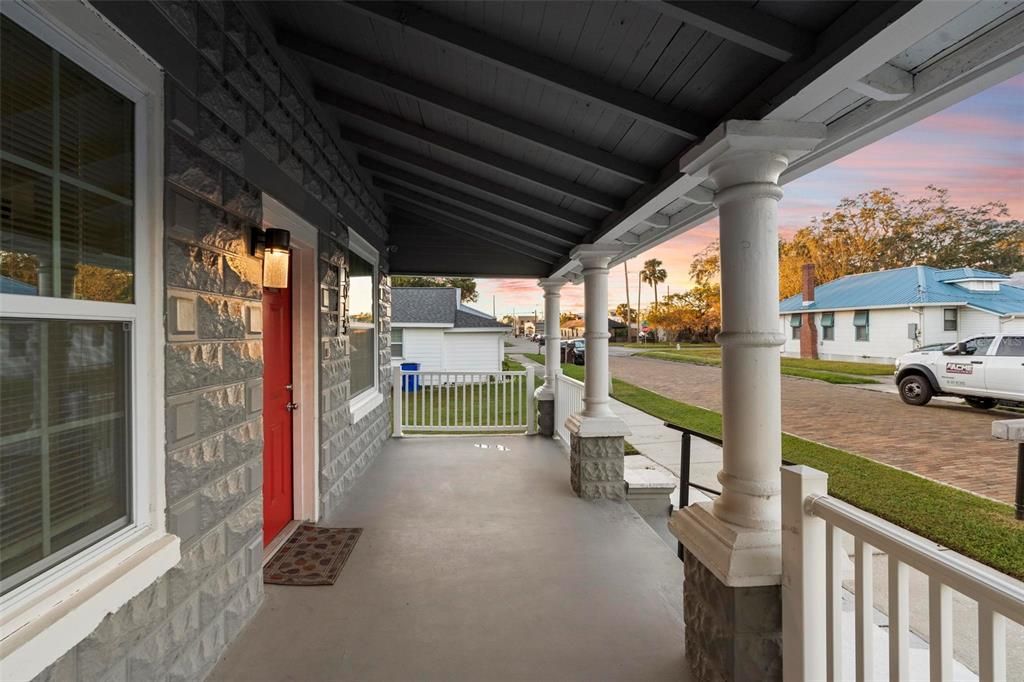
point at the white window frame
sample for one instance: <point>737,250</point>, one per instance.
<point>51,613</point>
<point>955,320</point>
<point>866,326</point>
<point>368,399</point>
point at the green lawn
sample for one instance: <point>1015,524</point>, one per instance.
<point>977,527</point>
<point>832,371</point>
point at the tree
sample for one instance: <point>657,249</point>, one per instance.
<point>567,317</point>
<point>883,230</point>
<point>467,285</point>
<point>624,312</point>
<point>653,274</point>
<point>694,315</point>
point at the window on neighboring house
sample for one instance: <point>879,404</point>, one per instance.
<point>861,325</point>
<point>828,326</point>
<point>795,321</point>
<point>949,319</point>
<point>77,338</point>
<point>396,343</point>
<point>362,317</point>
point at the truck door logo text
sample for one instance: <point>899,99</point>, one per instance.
<point>959,368</point>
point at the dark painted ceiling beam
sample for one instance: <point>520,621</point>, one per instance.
<point>470,151</point>
<point>381,147</point>
<point>386,172</point>
<point>535,134</point>
<point>537,67</point>
<point>411,213</point>
<point>742,25</point>
<point>545,236</point>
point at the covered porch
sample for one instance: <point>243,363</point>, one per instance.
<point>476,563</point>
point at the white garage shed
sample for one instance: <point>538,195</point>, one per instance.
<point>432,327</point>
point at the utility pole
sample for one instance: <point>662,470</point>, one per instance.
<point>639,310</point>
<point>629,311</point>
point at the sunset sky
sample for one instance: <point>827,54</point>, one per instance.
<point>975,149</point>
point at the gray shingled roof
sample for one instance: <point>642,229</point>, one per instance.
<point>437,305</point>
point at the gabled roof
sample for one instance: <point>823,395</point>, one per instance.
<point>437,306</point>
<point>914,285</point>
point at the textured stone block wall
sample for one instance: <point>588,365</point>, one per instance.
<point>238,123</point>
<point>732,633</point>
<point>596,468</point>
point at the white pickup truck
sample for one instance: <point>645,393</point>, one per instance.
<point>982,370</point>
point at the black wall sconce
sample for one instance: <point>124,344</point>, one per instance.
<point>272,244</point>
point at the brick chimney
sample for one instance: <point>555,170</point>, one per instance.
<point>808,332</point>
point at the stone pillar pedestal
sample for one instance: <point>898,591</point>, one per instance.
<point>546,416</point>
<point>732,633</point>
<point>596,467</point>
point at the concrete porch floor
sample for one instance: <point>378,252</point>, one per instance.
<point>476,564</point>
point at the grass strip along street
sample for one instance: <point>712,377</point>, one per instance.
<point>832,371</point>
<point>977,527</point>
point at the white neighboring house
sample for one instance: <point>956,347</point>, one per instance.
<point>878,316</point>
<point>431,326</point>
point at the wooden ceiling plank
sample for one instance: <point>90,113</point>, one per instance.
<point>466,108</point>
<point>381,147</point>
<point>538,67</point>
<point>471,151</point>
<point>754,30</point>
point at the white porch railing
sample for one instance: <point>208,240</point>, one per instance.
<point>465,402</point>
<point>812,584</point>
<point>568,401</point>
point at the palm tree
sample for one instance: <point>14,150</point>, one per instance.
<point>653,274</point>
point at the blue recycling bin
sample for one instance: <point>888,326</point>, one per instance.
<point>411,382</point>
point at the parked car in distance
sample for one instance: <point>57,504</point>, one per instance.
<point>576,353</point>
<point>982,370</point>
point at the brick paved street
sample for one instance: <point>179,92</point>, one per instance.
<point>945,442</point>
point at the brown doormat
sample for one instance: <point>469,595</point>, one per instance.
<point>311,556</point>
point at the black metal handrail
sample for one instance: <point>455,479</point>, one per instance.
<point>684,467</point>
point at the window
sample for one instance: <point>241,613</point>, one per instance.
<point>396,343</point>
<point>949,319</point>
<point>362,317</point>
<point>861,324</point>
<point>979,346</point>
<point>828,326</point>
<point>81,437</point>
<point>66,232</point>
<point>795,322</point>
<point>1012,346</point>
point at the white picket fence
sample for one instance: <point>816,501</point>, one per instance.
<point>812,585</point>
<point>568,401</point>
<point>464,402</point>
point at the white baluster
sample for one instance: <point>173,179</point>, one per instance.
<point>940,630</point>
<point>863,599</point>
<point>991,644</point>
<point>899,620</point>
<point>835,560</point>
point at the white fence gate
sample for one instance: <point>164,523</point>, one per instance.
<point>812,561</point>
<point>464,402</point>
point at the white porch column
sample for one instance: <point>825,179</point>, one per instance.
<point>733,546</point>
<point>596,450</point>
<point>545,395</point>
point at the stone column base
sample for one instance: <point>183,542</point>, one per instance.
<point>596,467</point>
<point>732,633</point>
<point>546,417</point>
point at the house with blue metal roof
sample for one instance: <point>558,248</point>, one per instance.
<point>878,316</point>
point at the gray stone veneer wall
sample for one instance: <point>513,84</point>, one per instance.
<point>238,123</point>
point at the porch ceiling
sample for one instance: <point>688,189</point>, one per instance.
<point>499,135</point>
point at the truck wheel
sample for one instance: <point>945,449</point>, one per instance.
<point>915,390</point>
<point>981,403</point>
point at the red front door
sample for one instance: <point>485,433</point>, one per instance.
<point>277,412</point>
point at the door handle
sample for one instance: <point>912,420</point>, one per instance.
<point>977,362</point>
<point>291,407</point>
